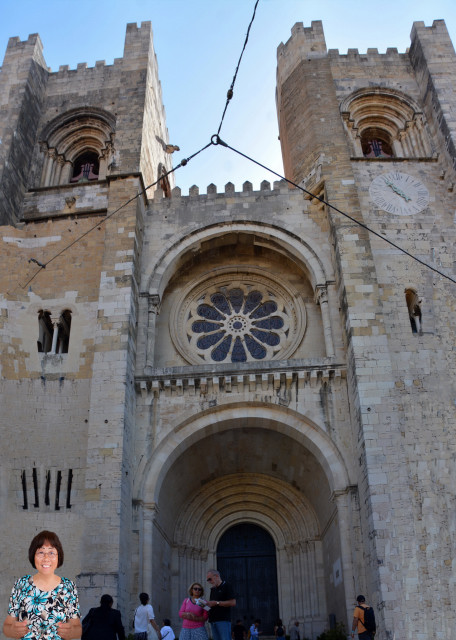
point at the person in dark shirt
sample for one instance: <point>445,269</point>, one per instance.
<point>103,623</point>
<point>221,600</point>
<point>239,632</point>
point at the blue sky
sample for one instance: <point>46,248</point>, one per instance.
<point>198,43</point>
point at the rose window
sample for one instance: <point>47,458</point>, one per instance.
<point>238,320</point>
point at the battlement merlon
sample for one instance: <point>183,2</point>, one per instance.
<point>305,42</point>
<point>434,40</point>
<point>22,92</point>
<point>19,51</point>
<point>433,59</point>
<point>138,44</point>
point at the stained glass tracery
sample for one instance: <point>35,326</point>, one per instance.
<point>238,325</point>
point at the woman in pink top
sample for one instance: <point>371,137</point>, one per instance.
<point>193,615</point>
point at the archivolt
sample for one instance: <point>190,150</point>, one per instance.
<point>250,497</point>
<point>156,279</point>
<point>235,416</point>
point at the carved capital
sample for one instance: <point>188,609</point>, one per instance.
<point>153,303</point>
<point>321,293</point>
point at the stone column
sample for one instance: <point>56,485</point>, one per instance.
<point>55,324</point>
<point>50,165</point>
<point>65,175</point>
<point>153,310</point>
<point>321,295</point>
<point>349,539</point>
<point>150,511</point>
<point>58,169</point>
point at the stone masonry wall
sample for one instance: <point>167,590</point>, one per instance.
<point>403,382</point>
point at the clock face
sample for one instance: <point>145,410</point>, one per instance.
<point>399,193</point>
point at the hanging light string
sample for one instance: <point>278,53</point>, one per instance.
<point>43,265</point>
<point>216,140</point>
<point>183,163</point>
<point>230,91</point>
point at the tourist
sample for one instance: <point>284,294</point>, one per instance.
<point>103,622</point>
<point>193,614</point>
<point>144,615</point>
<point>221,600</point>
<point>279,630</point>
<point>255,630</point>
<point>166,631</point>
<point>294,631</point>
<point>239,632</point>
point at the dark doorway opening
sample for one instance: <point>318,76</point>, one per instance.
<point>246,558</point>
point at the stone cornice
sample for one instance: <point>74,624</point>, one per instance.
<point>249,376</point>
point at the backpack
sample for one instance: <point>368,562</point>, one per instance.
<point>369,619</point>
<point>279,631</point>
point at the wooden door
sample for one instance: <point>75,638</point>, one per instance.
<point>246,558</point>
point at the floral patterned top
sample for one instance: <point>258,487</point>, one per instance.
<point>43,609</point>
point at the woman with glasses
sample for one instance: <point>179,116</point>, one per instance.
<point>44,605</point>
<point>194,615</point>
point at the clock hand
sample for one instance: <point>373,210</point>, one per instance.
<point>397,190</point>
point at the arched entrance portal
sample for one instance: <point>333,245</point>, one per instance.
<point>259,465</point>
<point>246,556</point>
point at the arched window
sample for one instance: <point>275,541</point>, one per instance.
<point>85,167</point>
<point>384,123</point>
<point>77,146</point>
<point>45,331</point>
<point>53,337</point>
<point>414,309</point>
<point>63,332</point>
<point>376,143</point>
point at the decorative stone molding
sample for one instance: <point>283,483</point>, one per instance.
<point>265,381</point>
<point>390,115</point>
<point>69,135</point>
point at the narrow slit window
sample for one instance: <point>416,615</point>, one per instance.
<point>47,500</point>
<point>69,485</point>
<point>35,487</point>
<point>24,490</point>
<point>57,490</point>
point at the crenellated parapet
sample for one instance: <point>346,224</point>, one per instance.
<point>305,43</point>
<point>278,187</point>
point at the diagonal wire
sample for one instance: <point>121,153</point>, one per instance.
<point>229,94</point>
<point>42,266</point>
<point>217,140</point>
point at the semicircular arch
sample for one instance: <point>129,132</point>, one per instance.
<point>250,497</point>
<point>158,276</point>
<point>235,416</point>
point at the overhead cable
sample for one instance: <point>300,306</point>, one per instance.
<point>230,91</point>
<point>216,140</point>
<point>43,265</point>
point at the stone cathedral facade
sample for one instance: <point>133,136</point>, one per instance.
<point>243,379</point>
